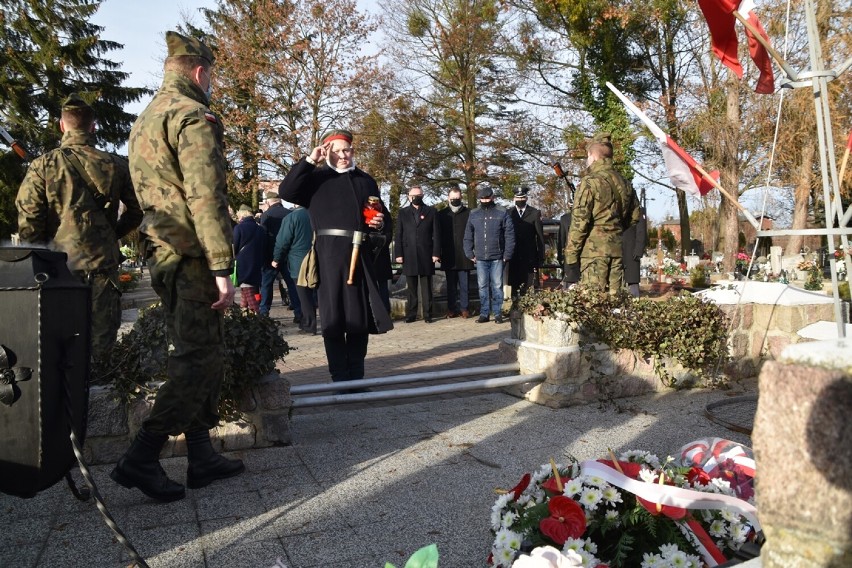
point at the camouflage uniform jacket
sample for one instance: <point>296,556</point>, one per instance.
<point>178,167</point>
<point>55,204</point>
<point>604,206</point>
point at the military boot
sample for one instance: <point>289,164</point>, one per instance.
<point>140,467</point>
<point>205,465</point>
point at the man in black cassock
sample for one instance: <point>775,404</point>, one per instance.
<point>336,193</point>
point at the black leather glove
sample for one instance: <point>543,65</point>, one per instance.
<point>571,273</point>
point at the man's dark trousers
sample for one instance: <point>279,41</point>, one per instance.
<point>461,279</point>
<point>267,284</point>
<point>418,286</point>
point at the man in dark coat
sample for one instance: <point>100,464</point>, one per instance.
<point>634,239</point>
<point>271,220</point>
<point>382,267</point>
<point>335,193</point>
<point>452,221</point>
<point>417,246</point>
<point>529,244</point>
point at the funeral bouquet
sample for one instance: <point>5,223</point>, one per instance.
<point>633,510</point>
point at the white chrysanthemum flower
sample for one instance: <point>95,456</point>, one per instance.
<point>707,515</point>
<point>509,519</point>
<point>588,560</point>
<point>504,536</point>
<point>723,485</point>
<point>515,541</point>
<point>504,556</point>
<point>502,501</point>
<point>574,544</point>
<point>595,480</point>
<point>590,497</point>
<point>729,515</point>
<point>666,550</point>
<point>717,529</point>
<point>611,495</point>
<point>739,532</point>
<point>496,520</point>
<point>572,488</point>
<point>611,515</point>
<point>524,500</point>
<point>647,475</point>
<point>652,561</point>
<point>590,546</point>
<point>694,561</point>
<point>678,559</point>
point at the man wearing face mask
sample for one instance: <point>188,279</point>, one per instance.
<point>529,244</point>
<point>604,206</point>
<point>452,221</point>
<point>417,246</point>
<point>489,241</point>
<point>177,164</point>
<point>337,194</point>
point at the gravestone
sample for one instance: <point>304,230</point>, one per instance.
<point>692,261</point>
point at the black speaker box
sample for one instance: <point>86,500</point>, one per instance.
<point>45,346</point>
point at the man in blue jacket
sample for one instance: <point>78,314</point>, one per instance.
<point>489,241</point>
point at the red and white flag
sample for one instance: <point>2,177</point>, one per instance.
<point>723,39</point>
<point>683,169</point>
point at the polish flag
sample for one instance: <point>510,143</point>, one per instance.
<point>723,39</point>
<point>683,169</point>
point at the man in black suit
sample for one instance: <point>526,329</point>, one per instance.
<point>417,247</point>
<point>529,244</point>
<point>634,239</point>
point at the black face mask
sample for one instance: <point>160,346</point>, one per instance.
<point>486,204</point>
<point>455,202</point>
<point>418,200</point>
<point>520,203</point>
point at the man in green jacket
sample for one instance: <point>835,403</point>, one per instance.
<point>70,199</point>
<point>178,167</point>
<point>604,206</point>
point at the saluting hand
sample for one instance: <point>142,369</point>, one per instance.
<point>319,153</point>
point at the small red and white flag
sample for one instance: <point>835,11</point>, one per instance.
<point>683,169</point>
<point>723,39</point>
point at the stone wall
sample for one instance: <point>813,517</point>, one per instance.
<point>803,450</point>
<point>575,376</point>
<point>761,331</point>
<point>112,425</point>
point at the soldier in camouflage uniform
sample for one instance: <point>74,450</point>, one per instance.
<point>604,206</point>
<point>178,167</point>
<point>70,199</point>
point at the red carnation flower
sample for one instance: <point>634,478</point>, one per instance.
<point>697,475</point>
<point>566,520</point>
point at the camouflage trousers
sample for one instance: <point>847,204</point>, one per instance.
<point>106,308</point>
<point>106,311</point>
<point>189,398</point>
<point>606,273</point>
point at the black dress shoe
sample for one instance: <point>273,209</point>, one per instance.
<point>410,319</point>
<point>482,319</point>
<point>427,320</point>
<point>498,319</point>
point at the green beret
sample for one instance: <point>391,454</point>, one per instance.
<point>336,134</point>
<point>602,137</point>
<point>74,102</point>
<point>180,45</point>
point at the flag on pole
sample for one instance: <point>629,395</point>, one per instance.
<point>683,169</point>
<point>766,81</point>
<point>723,39</point>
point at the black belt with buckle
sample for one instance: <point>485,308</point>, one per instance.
<point>337,233</point>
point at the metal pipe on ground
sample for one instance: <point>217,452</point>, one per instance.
<point>499,382</point>
<point>401,379</point>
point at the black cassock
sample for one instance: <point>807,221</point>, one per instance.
<point>335,201</point>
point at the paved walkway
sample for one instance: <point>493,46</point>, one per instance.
<point>360,485</point>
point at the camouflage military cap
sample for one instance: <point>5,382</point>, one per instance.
<point>74,102</point>
<point>245,207</point>
<point>337,134</point>
<point>180,45</point>
<point>271,195</point>
<point>603,137</point>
